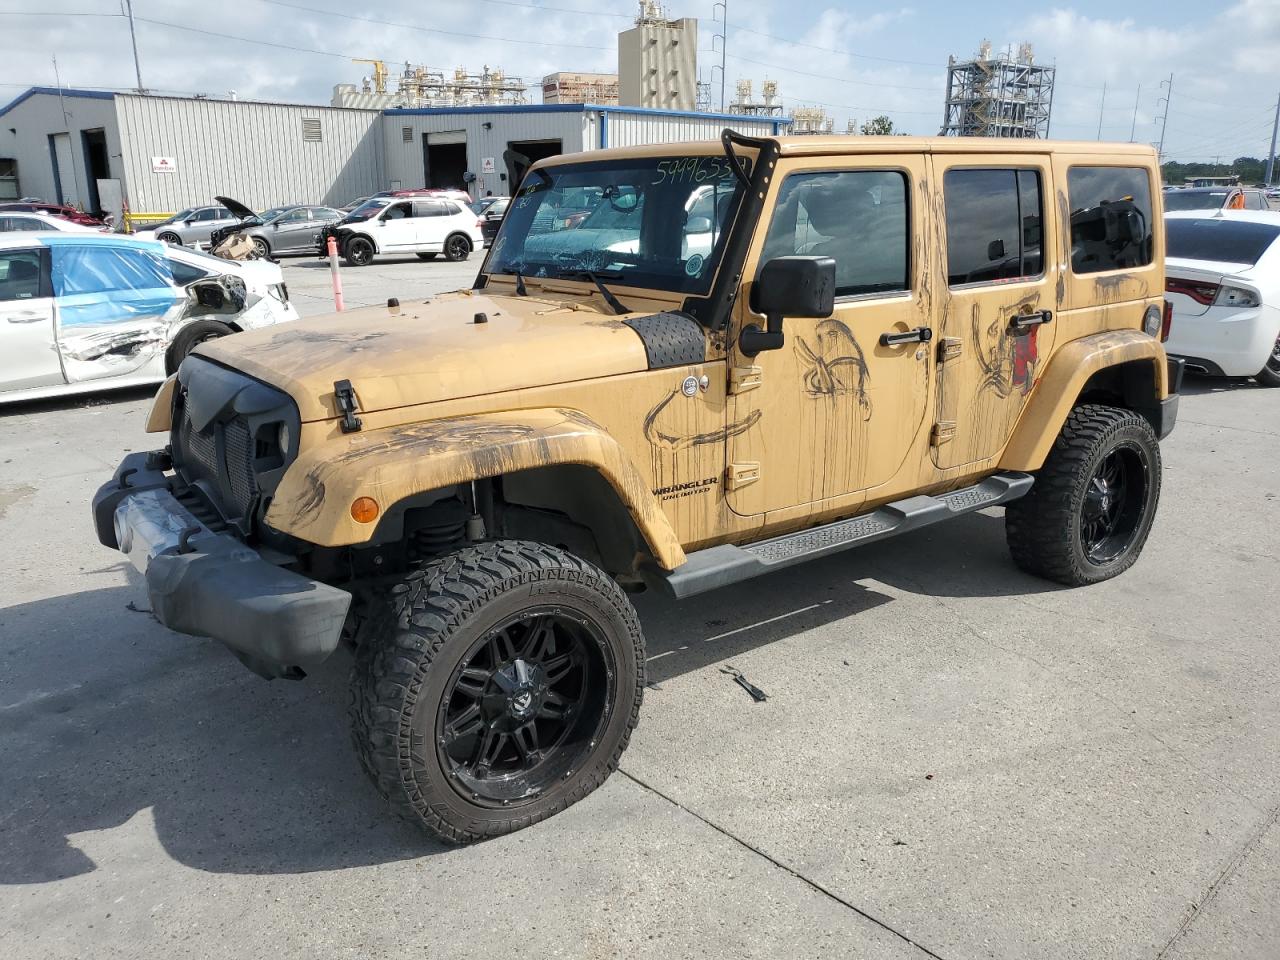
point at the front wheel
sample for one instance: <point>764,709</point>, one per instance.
<point>359,252</point>
<point>1089,513</point>
<point>496,686</point>
<point>457,247</point>
<point>1269,376</point>
<point>170,238</point>
<point>189,337</point>
<point>261,249</point>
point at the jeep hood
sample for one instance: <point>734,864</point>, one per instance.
<point>432,352</point>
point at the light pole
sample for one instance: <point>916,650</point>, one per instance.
<point>133,39</point>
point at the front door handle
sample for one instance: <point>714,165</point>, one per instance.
<point>1025,321</point>
<point>918,335</point>
<point>27,317</point>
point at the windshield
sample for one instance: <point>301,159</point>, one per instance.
<point>180,215</point>
<point>1228,241</point>
<point>1194,199</point>
<point>657,222</point>
<point>368,209</point>
<point>268,215</point>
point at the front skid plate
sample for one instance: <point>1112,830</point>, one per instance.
<point>719,566</point>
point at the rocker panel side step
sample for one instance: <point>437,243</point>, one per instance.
<point>725,564</point>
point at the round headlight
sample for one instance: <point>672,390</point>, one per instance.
<point>283,437</point>
<point>1151,321</point>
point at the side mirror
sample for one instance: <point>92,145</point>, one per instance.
<point>1124,224</point>
<point>698,225</point>
<point>995,249</point>
<point>788,287</point>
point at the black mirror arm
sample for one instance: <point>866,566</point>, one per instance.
<point>753,340</point>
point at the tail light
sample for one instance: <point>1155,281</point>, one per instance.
<point>1166,325</point>
<point>1200,292</point>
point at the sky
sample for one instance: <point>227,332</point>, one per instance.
<point>856,59</point>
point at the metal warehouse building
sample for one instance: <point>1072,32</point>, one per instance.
<point>156,155</point>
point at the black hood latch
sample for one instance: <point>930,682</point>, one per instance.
<point>345,396</point>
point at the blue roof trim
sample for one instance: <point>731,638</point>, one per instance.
<point>54,91</point>
<point>582,108</point>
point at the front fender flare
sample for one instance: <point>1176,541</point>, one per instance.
<point>313,500</point>
<point>1060,386</point>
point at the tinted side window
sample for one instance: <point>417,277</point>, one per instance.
<point>19,275</point>
<point>398,211</point>
<point>993,225</point>
<point>1111,227</point>
<point>184,273</point>
<point>858,218</point>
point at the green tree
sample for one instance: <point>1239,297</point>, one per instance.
<point>880,126</point>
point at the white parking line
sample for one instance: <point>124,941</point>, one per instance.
<point>750,626</point>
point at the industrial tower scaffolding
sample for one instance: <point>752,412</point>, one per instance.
<point>1003,96</point>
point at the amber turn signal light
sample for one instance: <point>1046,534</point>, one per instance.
<point>364,509</point>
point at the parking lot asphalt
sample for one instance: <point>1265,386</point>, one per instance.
<point>955,760</point>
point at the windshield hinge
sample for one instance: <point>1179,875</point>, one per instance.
<point>949,348</point>
<point>742,474</point>
<point>345,396</point>
<point>944,431</point>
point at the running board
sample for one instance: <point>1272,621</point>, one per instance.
<point>719,566</point>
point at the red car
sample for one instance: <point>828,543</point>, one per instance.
<point>53,210</point>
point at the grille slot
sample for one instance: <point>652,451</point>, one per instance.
<point>239,454</point>
<point>198,455</point>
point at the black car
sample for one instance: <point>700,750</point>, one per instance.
<point>491,219</point>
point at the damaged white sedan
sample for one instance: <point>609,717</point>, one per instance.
<point>81,312</point>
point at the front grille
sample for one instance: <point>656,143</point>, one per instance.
<point>232,472</point>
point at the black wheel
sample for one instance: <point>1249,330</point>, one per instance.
<point>426,256</point>
<point>261,248</point>
<point>189,337</point>
<point>1269,376</point>
<point>496,686</point>
<point>170,238</point>
<point>1089,513</point>
<point>359,252</point>
<point>457,247</point>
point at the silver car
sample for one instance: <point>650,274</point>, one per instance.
<point>192,226</point>
<point>291,230</point>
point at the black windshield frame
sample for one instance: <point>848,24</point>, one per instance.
<point>665,178</point>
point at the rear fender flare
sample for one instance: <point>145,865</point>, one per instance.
<point>1060,387</point>
<point>313,500</point>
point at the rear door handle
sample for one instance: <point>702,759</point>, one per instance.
<point>1025,321</point>
<point>918,335</point>
<point>27,316</point>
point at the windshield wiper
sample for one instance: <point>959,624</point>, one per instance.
<point>520,287</point>
<point>614,303</point>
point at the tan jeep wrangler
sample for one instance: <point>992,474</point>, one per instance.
<point>747,354</point>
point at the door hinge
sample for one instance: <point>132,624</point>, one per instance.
<point>742,474</point>
<point>949,348</point>
<point>344,395</point>
<point>742,379</point>
<point>943,431</point>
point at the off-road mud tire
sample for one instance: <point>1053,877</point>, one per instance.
<point>1044,528</point>
<point>358,252</point>
<point>416,638</point>
<point>457,247</point>
<point>189,337</point>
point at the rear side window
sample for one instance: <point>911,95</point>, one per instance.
<point>1228,241</point>
<point>1111,226</point>
<point>856,217</point>
<point>993,225</point>
<point>19,275</point>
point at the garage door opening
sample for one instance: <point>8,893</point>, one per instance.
<point>445,160</point>
<point>94,143</point>
<point>522,154</point>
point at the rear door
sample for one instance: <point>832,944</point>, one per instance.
<point>998,316</point>
<point>27,354</point>
<point>432,223</point>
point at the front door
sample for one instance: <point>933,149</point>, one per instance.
<point>293,230</point>
<point>398,229</point>
<point>1001,303</point>
<point>27,355</point>
<point>832,415</point>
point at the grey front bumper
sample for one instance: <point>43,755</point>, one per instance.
<point>279,623</point>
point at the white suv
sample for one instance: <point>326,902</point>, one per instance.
<point>425,226</point>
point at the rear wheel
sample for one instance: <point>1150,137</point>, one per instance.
<point>426,256</point>
<point>457,247</point>
<point>190,337</point>
<point>1089,513</point>
<point>1269,376</point>
<point>359,252</point>
<point>496,686</point>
